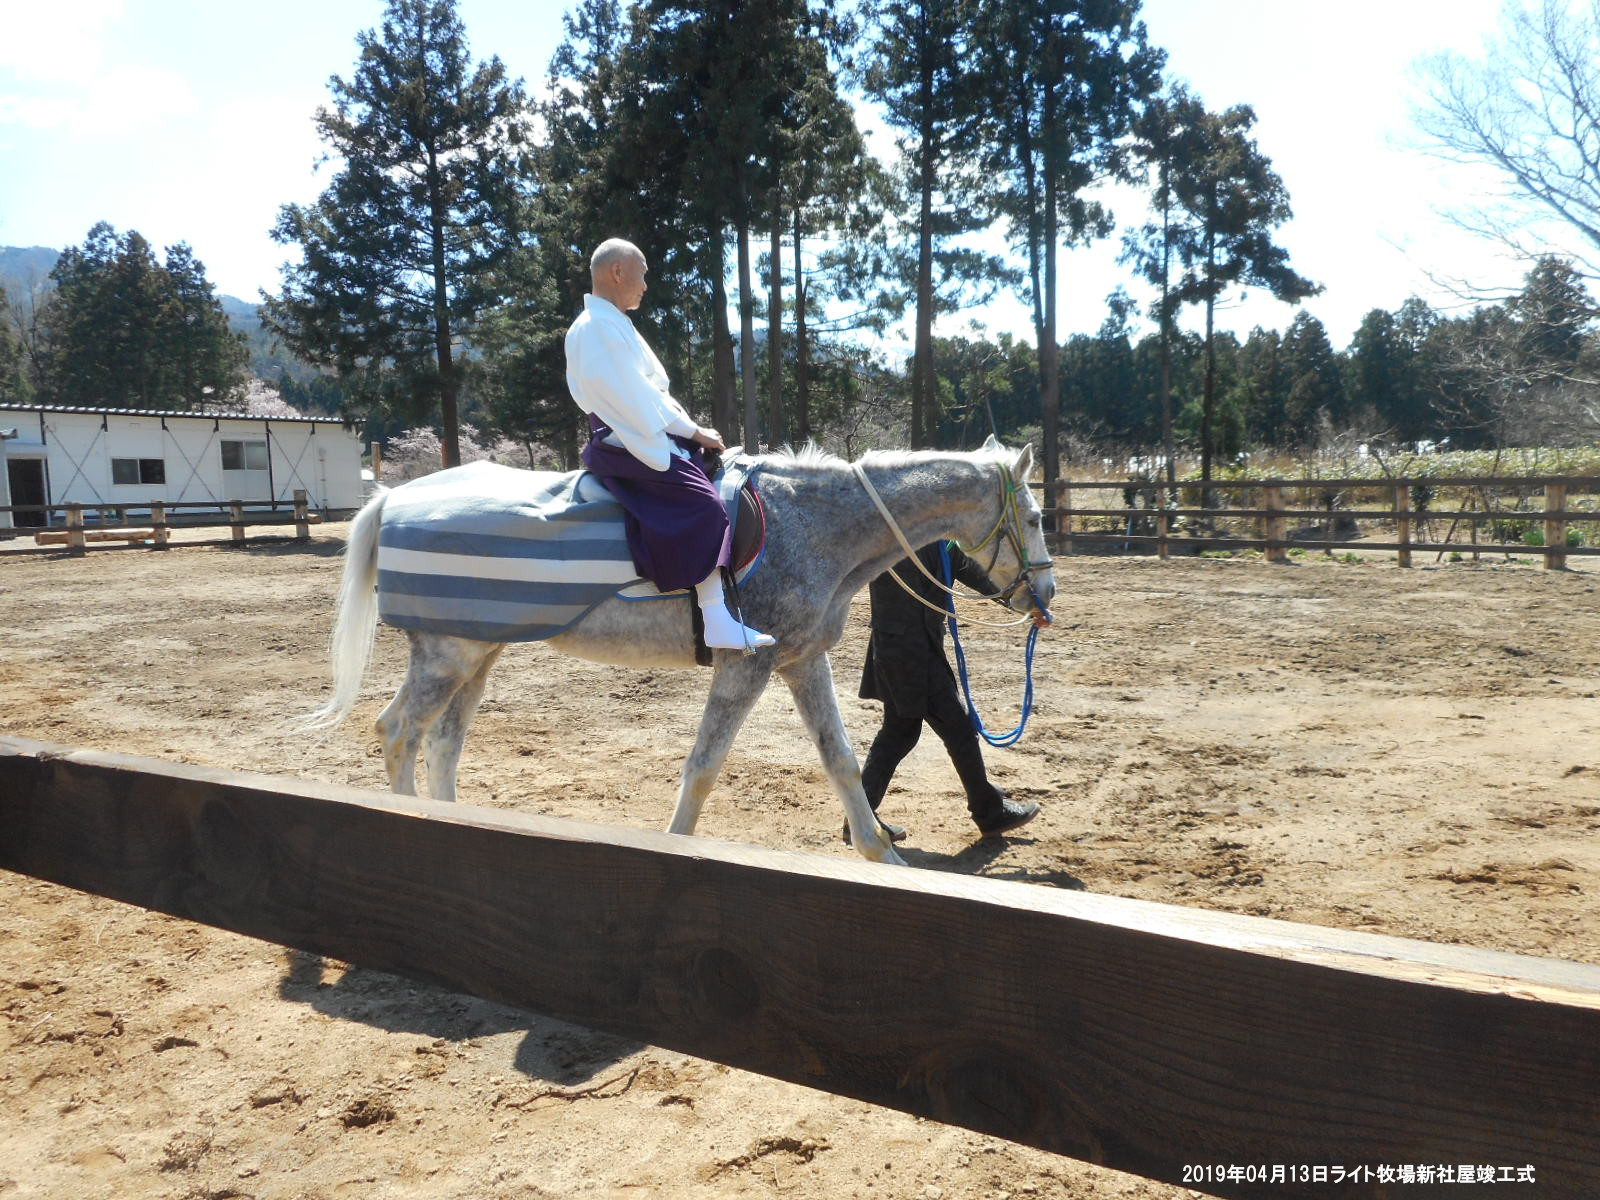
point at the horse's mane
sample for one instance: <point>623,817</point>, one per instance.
<point>813,455</point>
<point>808,455</point>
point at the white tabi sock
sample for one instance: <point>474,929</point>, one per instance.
<point>723,630</point>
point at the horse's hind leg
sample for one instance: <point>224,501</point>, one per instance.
<point>441,746</point>
<point>735,687</point>
<point>438,669</point>
<point>811,681</point>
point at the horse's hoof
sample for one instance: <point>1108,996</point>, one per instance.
<point>897,833</point>
<point>883,853</point>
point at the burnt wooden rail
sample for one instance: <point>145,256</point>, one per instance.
<point>1145,1037</point>
<point>1272,516</point>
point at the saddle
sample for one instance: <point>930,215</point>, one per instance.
<point>747,520</point>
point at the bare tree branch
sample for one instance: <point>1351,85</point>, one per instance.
<point>1528,109</point>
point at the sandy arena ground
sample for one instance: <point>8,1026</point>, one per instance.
<point>1349,744</point>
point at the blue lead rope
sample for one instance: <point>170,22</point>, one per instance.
<point>994,739</point>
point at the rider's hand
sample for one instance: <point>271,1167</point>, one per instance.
<point>709,438</point>
<point>1043,617</point>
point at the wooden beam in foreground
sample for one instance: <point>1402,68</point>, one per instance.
<point>1145,1037</point>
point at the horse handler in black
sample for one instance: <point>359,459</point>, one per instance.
<point>906,668</point>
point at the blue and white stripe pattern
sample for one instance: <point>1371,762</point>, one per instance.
<point>499,555</point>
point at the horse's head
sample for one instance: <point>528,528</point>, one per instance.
<point>1020,562</point>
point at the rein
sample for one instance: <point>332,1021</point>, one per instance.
<point>1012,737</point>
<point>1009,524</point>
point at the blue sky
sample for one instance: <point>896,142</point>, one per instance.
<point>190,120</point>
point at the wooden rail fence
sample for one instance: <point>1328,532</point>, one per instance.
<point>1175,525</point>
<point>76,534</point>
<point>1235,1055</point>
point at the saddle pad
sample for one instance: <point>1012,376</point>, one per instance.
<point>499,555</point>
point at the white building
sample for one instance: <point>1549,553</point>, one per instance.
<point>129,457</point>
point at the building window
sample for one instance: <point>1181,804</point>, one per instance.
<point>138,470</point>
<point>244,456</point>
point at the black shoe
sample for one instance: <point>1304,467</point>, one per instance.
<point>897,833</point>
<point>1012,814</point>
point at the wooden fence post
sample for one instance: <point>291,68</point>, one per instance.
<point>1064,518</point>
<point>158,520</point>
<point>1402,523</point>
<point>1163,531</point>
<point>302,527</point>
<point>75,542</point>
<point>1274,526</point>
<point>1555,527</point>
<point>236,516</point>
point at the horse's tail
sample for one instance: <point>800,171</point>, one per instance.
<point>355,620</point>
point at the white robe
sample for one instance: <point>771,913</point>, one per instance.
<point>613,374</point>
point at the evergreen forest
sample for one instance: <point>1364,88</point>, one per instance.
<point>430,285</point>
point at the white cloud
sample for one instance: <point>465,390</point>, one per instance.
<point>65,72</point>
<point>127,98</point>
<point>260,152</point>
<point>35,112</point>
<point>58,42</point>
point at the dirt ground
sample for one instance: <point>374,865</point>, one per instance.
<point>1349,744</point>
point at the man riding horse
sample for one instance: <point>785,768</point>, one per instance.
<point>646,448</point>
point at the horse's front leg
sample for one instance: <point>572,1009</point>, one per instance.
<point>736,683</point>
<point>811,681</point>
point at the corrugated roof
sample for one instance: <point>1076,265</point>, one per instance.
<point>155,412</point>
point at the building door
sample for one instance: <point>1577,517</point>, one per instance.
<point>26,478</point>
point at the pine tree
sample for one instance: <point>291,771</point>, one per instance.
<point>1166,140</point>
<point>399,249</point>
<point>126,331</point>
<point>1226,200</point>
<point>818,175</point>
<point>1066,79</point>
<point>12,383</point>
<point>1316,389</point>
<point>924,71</point>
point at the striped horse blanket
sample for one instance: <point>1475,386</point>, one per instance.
<point>500,555</point>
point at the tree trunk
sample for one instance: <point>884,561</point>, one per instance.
<point>1208,404</point>
<point>1167,444</point>
<point>724,412</point>
<point>1049,349</point>
<point>802,352</point>
<point>449,415</point>
<point>1030,179</point>
<point>777,422</point>
<point>922,354</point>
<point>747,325</point>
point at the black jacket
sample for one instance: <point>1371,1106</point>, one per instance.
<point>905,654</point>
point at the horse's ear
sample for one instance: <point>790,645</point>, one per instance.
<point>991,444</point>
<point>1024,466</point>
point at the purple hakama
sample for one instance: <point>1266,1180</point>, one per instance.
<point>677,527</point>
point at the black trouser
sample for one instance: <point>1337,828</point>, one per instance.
<point>899,735</point>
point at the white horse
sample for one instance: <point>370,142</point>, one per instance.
<point>832,526</point>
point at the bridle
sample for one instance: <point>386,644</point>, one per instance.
<point>1007,530</point>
